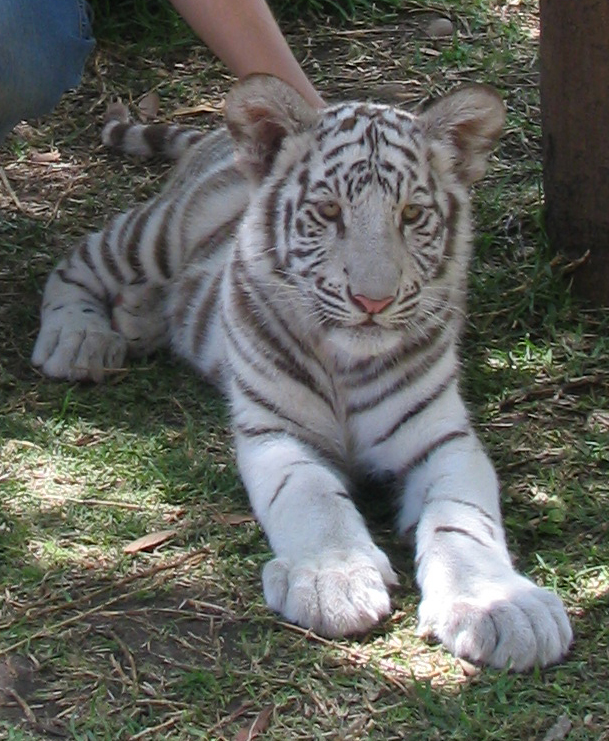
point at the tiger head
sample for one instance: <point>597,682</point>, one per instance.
<point>363,209</point>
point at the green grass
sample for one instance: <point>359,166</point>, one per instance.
<point>138,21</point>
<point>177,643</point>
<point>145,21</point>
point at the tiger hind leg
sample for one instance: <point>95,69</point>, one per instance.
<point>97,308</point>
<point>76,340</point>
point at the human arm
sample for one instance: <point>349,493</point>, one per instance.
<point>246,37</point>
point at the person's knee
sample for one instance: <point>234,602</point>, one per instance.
<point>43,48</point>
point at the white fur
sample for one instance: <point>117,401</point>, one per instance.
<point>318,396</point>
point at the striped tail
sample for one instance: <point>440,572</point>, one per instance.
<point>146,140</point>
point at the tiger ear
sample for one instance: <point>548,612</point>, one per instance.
<point>260,111</point>
<point>471,119</point>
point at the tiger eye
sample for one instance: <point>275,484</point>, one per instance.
<point>329,210</point>
<point>411,213</point>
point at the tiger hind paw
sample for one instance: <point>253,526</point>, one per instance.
<point>78,348</point>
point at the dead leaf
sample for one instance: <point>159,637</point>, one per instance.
<point>258,725</point>
<point>192,111</point>
<point>43,157</point>
<point>470,670</point>
<point>85,440</point>
<point>233,519</point>
<point>559,730</point>
<point>430,52</point>
<point>149,105</point>
<point>599,420</point>
<point>148,542</point>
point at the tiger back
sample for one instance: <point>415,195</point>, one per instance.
<point>318,275</point>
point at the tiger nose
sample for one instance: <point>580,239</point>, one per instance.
<point>371,305</point>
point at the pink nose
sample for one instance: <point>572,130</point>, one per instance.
<point>371,305</point>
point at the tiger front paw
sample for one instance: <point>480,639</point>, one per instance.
<point>76,348</point>
<point>516,625</point>
<point>336,593</point>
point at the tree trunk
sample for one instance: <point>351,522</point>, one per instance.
<point>575,126</point>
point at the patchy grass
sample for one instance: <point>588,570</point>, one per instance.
<point>176,643</point>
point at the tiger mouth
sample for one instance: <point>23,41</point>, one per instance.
<point>371,324</point>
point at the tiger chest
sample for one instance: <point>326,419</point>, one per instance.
<point>334,420</point>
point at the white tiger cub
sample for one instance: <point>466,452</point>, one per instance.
<point>325,293</point>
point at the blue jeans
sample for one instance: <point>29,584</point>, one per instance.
<point>43,47</point>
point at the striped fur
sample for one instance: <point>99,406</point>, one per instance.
<point>319,279</point>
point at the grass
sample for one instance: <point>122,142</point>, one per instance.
<point>176,643</point>
<point>157,21</point>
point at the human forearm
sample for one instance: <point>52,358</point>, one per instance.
<point>245,36</point>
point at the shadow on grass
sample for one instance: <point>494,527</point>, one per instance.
<point>170,648</point>
<point>181,640</point>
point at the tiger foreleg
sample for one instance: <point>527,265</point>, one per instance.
<point>327,574</point>
<point>472,598</point>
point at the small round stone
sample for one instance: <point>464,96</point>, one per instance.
<point>439,27</point>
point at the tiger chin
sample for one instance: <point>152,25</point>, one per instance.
<point>313,264</point>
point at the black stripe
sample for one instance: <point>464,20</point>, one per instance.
<point>117,134</point>
<point>204,310</point>
<point>363,371</point>
<point>283,483</point>
<point>253,432</point>
<point>422,352</point>
<point>73,282</point>
<point>271,215</point>
<point>210,243</point>
<point>186,291</point>
<point>301,253</point>
<point>393,126</point>
<point>303,181</point>
<point>139,217</point>
<point>155,136</point>
<point>85,256</point>
<point>405,151</point>
<point>192,198</point>
<point>459,531</point>
<point>173,133</point>
<point>340,493</point>
<point>287,218</point>
<point>250,306</point>
<point>161,247</point>
<point>108,256</point>
<point>348,124</point>
<point>463,502</point>
<point>417,409</point>
<point>454,211</point>
<point>252,395</point>
<point>82,255</point>
<point>263,369</point>
<point>421,457</point>
<point>424,362</point>
<point>187,137</point>
<point>330,172</point>
<point>122,246</point>
<point>339,149</point>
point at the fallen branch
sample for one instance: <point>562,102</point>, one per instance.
<point>551,389</point>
